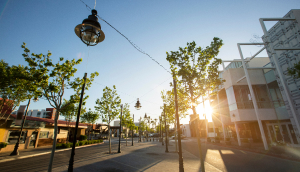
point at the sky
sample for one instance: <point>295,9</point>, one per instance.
<point>156,26</point>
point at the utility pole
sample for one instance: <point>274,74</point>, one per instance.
<point>162,137</point>
<point>132,129</point>
<point>166,128</point>
<point>71,162</point>
<point>15,151</point>
<point>181,168</point>
<point>120,131</point>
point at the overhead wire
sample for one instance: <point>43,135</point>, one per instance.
<point>133,44</point>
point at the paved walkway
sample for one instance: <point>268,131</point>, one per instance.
<point>284,152</point>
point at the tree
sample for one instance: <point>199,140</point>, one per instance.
<point>57,78</point>
<point>90,117</point>
<point>17,84</point>
<point>197,71</point>
<point>109,106</point>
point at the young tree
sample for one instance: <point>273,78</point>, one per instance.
<point>109,106</point>
<point>17,84</point>
<point>195,67</point>
<point>57,78</point>
<point>90,117</point>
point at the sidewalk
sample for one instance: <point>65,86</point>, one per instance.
<point>145,156</point>
<point>25,153</point>
<point>284,152</point>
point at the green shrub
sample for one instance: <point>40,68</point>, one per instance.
<point>80,143</point>
<point>94,141</point>
<point>58,145</point>
<point>82,137</point>
<point>100,141</point>
<point>90,142</point>
<point>77,144</point>
<point>3,145</point>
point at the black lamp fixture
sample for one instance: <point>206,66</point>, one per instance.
<point>138,105</point>
<point>90,31</point>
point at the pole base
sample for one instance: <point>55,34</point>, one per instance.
<point>15,152</point>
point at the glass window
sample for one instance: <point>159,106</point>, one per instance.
<point>38,114</point>
<point>44,134</point>
<point>13,137</point>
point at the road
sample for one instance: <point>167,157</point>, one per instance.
<point>234,160</point>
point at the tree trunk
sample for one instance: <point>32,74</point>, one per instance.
<point>54,141</point>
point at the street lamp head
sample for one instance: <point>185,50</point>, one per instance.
<point>138,105</point>
<point>90,31</point>
<point>145,116</point>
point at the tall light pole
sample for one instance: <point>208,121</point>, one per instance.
<point>120,131</point>
<point>167,150</point>
<point>132,129</point>
<point>161,130</point>
<point>71,162</point>
<point>16,151</point>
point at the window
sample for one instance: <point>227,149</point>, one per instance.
<point>38,114</point>
<point>44,134</point>
<point>13,136</point>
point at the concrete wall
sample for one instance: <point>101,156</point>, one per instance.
<point>249,114</point>
<point>231,77</point>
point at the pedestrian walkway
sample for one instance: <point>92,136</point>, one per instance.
<point>145,156</point>
<point>285,152</point>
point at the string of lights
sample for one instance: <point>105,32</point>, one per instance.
<point>133,44</point>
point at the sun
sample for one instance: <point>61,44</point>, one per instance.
<point>208,111</point>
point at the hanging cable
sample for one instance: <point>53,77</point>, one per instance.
<point>133,44</point>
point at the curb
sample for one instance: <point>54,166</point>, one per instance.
<point>59,150</point>
<point>258,152</point>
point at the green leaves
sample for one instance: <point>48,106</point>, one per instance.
<point>90,117</point>
<point>109,104</point>
<point>196,70</point>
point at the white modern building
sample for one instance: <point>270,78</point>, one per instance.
<point>259,101</point>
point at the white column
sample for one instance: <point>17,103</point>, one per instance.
<point>237,133</point>
<point>281,77</point>
<point>253,100</point>
<point>221,116</point>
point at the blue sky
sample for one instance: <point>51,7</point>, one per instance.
<point>156,26</point>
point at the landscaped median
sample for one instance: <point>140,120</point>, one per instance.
<point>80,143</point>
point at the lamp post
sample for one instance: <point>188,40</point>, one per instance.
<point>120,131</point>
<point>161,130</point>
<point>90,31</point>
<point>167,150</point>
<point>16,151</point>
<point>132,129</point>
<point>138,105</point>
<point>146,119</point>
<point>71,162</point>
